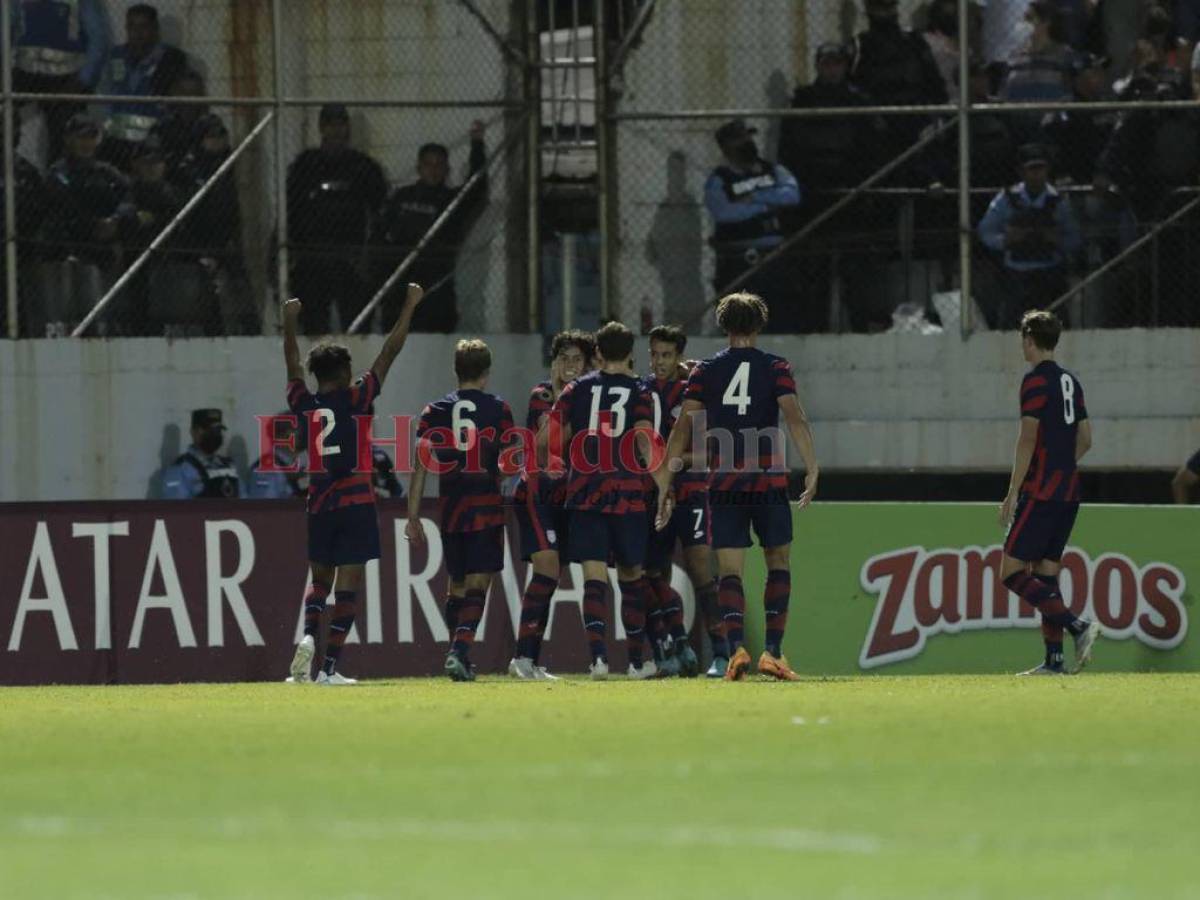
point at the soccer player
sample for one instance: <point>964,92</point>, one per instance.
<point>688,525</point>
<point>343,530</point>
<point>743,391</point>
<point>462,434</point>
<point>604,418</point>
<point>539,503</point>
<point>1186,479</point>
<point>1043,495</point>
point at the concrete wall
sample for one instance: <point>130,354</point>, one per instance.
<point>98,419</point>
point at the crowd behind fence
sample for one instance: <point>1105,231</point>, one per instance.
<point>601,159</point>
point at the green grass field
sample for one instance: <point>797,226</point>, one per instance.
<point>857,787</point>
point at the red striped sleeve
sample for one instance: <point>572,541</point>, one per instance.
<point>695,384</point>
<point>783,381</point>
<point>1033,404</point>
<point>297,395</point>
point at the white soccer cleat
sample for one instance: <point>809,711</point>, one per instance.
<point>647,670</point>
<point>522,667</point>
<point>337,679</point>
<point>540,674</point>
<point>302,661</point>
<point>599,670</point>
<point>1044,669</point>
<point>1083,646</point>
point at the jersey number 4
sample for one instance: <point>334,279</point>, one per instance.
<point>737,392</point>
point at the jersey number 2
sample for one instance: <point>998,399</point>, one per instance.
<point>1068,392</point>
<point>737,392</point>
<point>327,417</point>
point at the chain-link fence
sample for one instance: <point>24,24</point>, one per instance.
<point>167,178</point>
<point>861,229</point>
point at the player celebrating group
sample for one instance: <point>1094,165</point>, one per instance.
<point>742,392</point>
<point>1043,495</point>
<point>343,530</point>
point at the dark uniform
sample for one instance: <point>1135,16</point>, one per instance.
<point>130,123</point>
<point>465,429</point>
<point>406,218</point>
<point>740,389</point>
<point>607,506</point>
<point>1049,499</point>
<point>343,528</point>
<point>332,198</point>
<point>540,499</point>
<point>30,202</point>
<point>689,520</point>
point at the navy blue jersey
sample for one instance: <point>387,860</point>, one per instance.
<point>667,398</point>
<point>602,411</point>
<point>1053,396</point>
<point>740,388</point>
<point>466,429</point>
<point>537,486</point>
<point>331,421</point>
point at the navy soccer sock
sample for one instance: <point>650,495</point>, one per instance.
<point>633,617</point>
<point>706,600</point>
<point>314,605</point>
<point>469,613</point>
<point>776,597</point>
<point>535,609</point>
<point>1046,599</point>
<point>345,605</point>
<point>595,618</point>
<point>731,601</point>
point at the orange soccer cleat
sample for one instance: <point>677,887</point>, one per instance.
<point>776,667</point>
<point>739,665</point>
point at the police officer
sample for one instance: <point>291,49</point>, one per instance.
<point>202,471</point>
<point>30,201</point>
<point>62,46</point>
<point>90,211</point>
<point>272,482</point>
<point>748,198</point>
<point>410,213</point>
<point>334,192</point>
<point>1033,226</point>
<point>141,67</point>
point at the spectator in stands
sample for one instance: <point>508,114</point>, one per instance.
<point>141,67</point>
<point>202,472</point>
<point>1079,136</point>
<point>407,217</point>
<point>90,212</point>
<point>61,48</point>
<point>30,201</point>
<point>894,67</point>
<point>1041,70</point>
<point>1032,225</point>
<point>334,193</point>
<point>941,34</point>
<point>157,202</point>
<point>176,128</point>
<point>1005,31</point>
<point>1160,45</point>
<point>749,199</point>
<point>1186,480</point>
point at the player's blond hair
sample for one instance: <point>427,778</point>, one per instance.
<point>1042,327</point>
<point>742,313</point>
<point>472,359</point>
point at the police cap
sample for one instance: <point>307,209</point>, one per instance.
<point>734,131</point>
<point>334,112</point>
<point>206,418</point>
<point>1033,155</point>
<point>833,48</point>
<point>82,123</point>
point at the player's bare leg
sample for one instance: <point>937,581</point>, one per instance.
<point>634,595</point>
<point>595,616</point>
<point>348,583</point>
<point>300,671</point>
<point>776,598</point>
<point>535,613</point>
<point>731,605</point>
<point>1037,584</point>
<point>470,612</point>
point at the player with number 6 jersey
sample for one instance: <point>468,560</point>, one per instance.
<point>742,392</point>
<point>1043,495</point>
<point>461,435</point>
<point>343,531</point>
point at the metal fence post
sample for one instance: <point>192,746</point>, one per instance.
<point>603,159</point>
<point>10,186</point>
<point>533,165</point>
<point>967,306</point>
<point>281,225</point>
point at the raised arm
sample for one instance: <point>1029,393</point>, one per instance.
<point>291,349</point>
<point>413,532</point>
<point>796,421</point>
<point>1026,442</point>
<point>394,342</point>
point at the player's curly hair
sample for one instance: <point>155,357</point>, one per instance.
<point>615,342</point>
<point>328,362</point>
<point>1042,327</point>
<point>472,359</point>
<point>742,313</point>
<point>584,340</point>
<point>669,334</point>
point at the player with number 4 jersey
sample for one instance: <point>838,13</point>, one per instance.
<point>343,531</point>
<point>461,434</point>
<point>742,393</point>
<point>1043,495</point>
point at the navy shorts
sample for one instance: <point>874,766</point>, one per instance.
<point>347,536</point>
<point>769,513</point>
<point>607,538</point>
<point>1040,529</point>
<point>543,526</point>
<point>473,552</point>
<point>688,526</point>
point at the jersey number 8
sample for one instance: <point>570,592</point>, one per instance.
<point>1068,392</point>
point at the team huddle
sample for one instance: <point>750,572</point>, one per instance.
<point>617,470</point>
